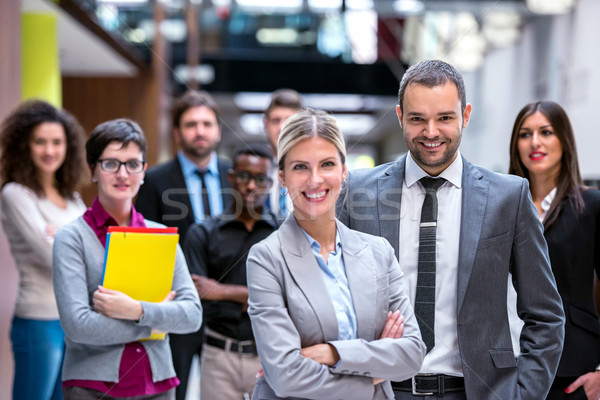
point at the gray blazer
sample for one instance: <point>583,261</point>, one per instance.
<point>290,308</point>
<point>94,343</point>
<point>500,233</point>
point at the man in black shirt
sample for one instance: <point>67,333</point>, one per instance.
<point>216,252</point>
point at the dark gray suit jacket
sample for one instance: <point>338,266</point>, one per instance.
<point>500,233</point>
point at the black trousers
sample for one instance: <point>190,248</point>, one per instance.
<point>183,349</point>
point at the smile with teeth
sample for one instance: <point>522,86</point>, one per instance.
<point>536,155</point>
<point>316,195</point>
<point>431,145</point>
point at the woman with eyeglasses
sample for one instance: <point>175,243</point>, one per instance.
<point>543,150</point>
<point>104,356</point>
<point>41,165</point>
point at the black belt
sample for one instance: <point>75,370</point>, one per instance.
<point>234,346</point>
<point>430,385</point>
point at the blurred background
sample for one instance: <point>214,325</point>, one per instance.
<point>104,59</point>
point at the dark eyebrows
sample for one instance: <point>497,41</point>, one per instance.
<point>445,113</point>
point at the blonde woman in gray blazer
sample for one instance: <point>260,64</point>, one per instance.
<point>328,306</point>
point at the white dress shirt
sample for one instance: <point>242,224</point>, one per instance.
<point>444,358</point>
<point>194,185</point>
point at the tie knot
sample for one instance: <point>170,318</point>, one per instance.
<point>431,183</point>
<point>201,172</point>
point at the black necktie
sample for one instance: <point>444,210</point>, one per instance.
<point>205,202</point>
<point>425,297</point>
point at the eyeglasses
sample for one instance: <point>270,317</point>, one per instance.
<point>245,177</point>
<point>113,165</point>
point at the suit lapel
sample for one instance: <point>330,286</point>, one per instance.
<point>179,183</point>
<point>304,269</point>
<point>362,280</point>
<point>389,196</point>
<point>474,200</point>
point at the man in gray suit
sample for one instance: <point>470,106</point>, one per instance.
<point>483,226</point>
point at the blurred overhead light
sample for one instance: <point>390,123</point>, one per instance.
<point>324,5</point>
<point>267,6</point>
<point>551,6</point>
<point>409,7</point>
<point>174,30</point>
<point>123,2</point>
<point>276,36</point>
<point>501,28</point>
<point>136,35</point>
<point>359,4</point>
<point>203,74</point>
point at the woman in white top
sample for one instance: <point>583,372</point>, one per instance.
<point>41,165</point>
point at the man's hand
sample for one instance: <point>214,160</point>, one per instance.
<point>394,326</point>
<point>590,383</point>
<point>324,354</point>
<point>208,289</point>
<point>115,304</point>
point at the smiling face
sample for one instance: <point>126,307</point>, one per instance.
<point>120,186</point>
<point>433,122</point>
<point>539,147</point>
<point>198,133</point>
<point>313,174</point>
<point>48,145</point>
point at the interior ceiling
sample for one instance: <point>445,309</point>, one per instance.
<point>83,53</point>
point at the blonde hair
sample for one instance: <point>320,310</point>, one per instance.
<point>307,123</point>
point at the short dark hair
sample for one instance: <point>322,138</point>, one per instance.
<point>192,99</point>
<point>569,183</point>
<point>432,73</point>
<point>16,164</point>
<point>120,130</point>
<point>258,150</point>
<point>286,98</point>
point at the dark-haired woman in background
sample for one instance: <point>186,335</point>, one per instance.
<point>41,165</point>
<point>543,150</point>
<point>104,357</point>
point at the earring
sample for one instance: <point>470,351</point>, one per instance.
<point>283,191</point>
<point>142,182</point>
<point>94,180</point>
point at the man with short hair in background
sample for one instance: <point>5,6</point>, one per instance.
<point>284,103</point>
<point>188,189</point>
<point>216,252</point>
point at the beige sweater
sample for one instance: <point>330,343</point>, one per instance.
<point>25,217</point>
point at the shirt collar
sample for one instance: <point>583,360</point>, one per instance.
<point>267,217</point>
<point>188,167</point>
<point>316,247</point>
<point>99,219</point>
<point>547,202</point>
<point>453,173</point>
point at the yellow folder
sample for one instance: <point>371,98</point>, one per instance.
<point>141,264</point>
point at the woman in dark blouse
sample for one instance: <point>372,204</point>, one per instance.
<point>543,150</point>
